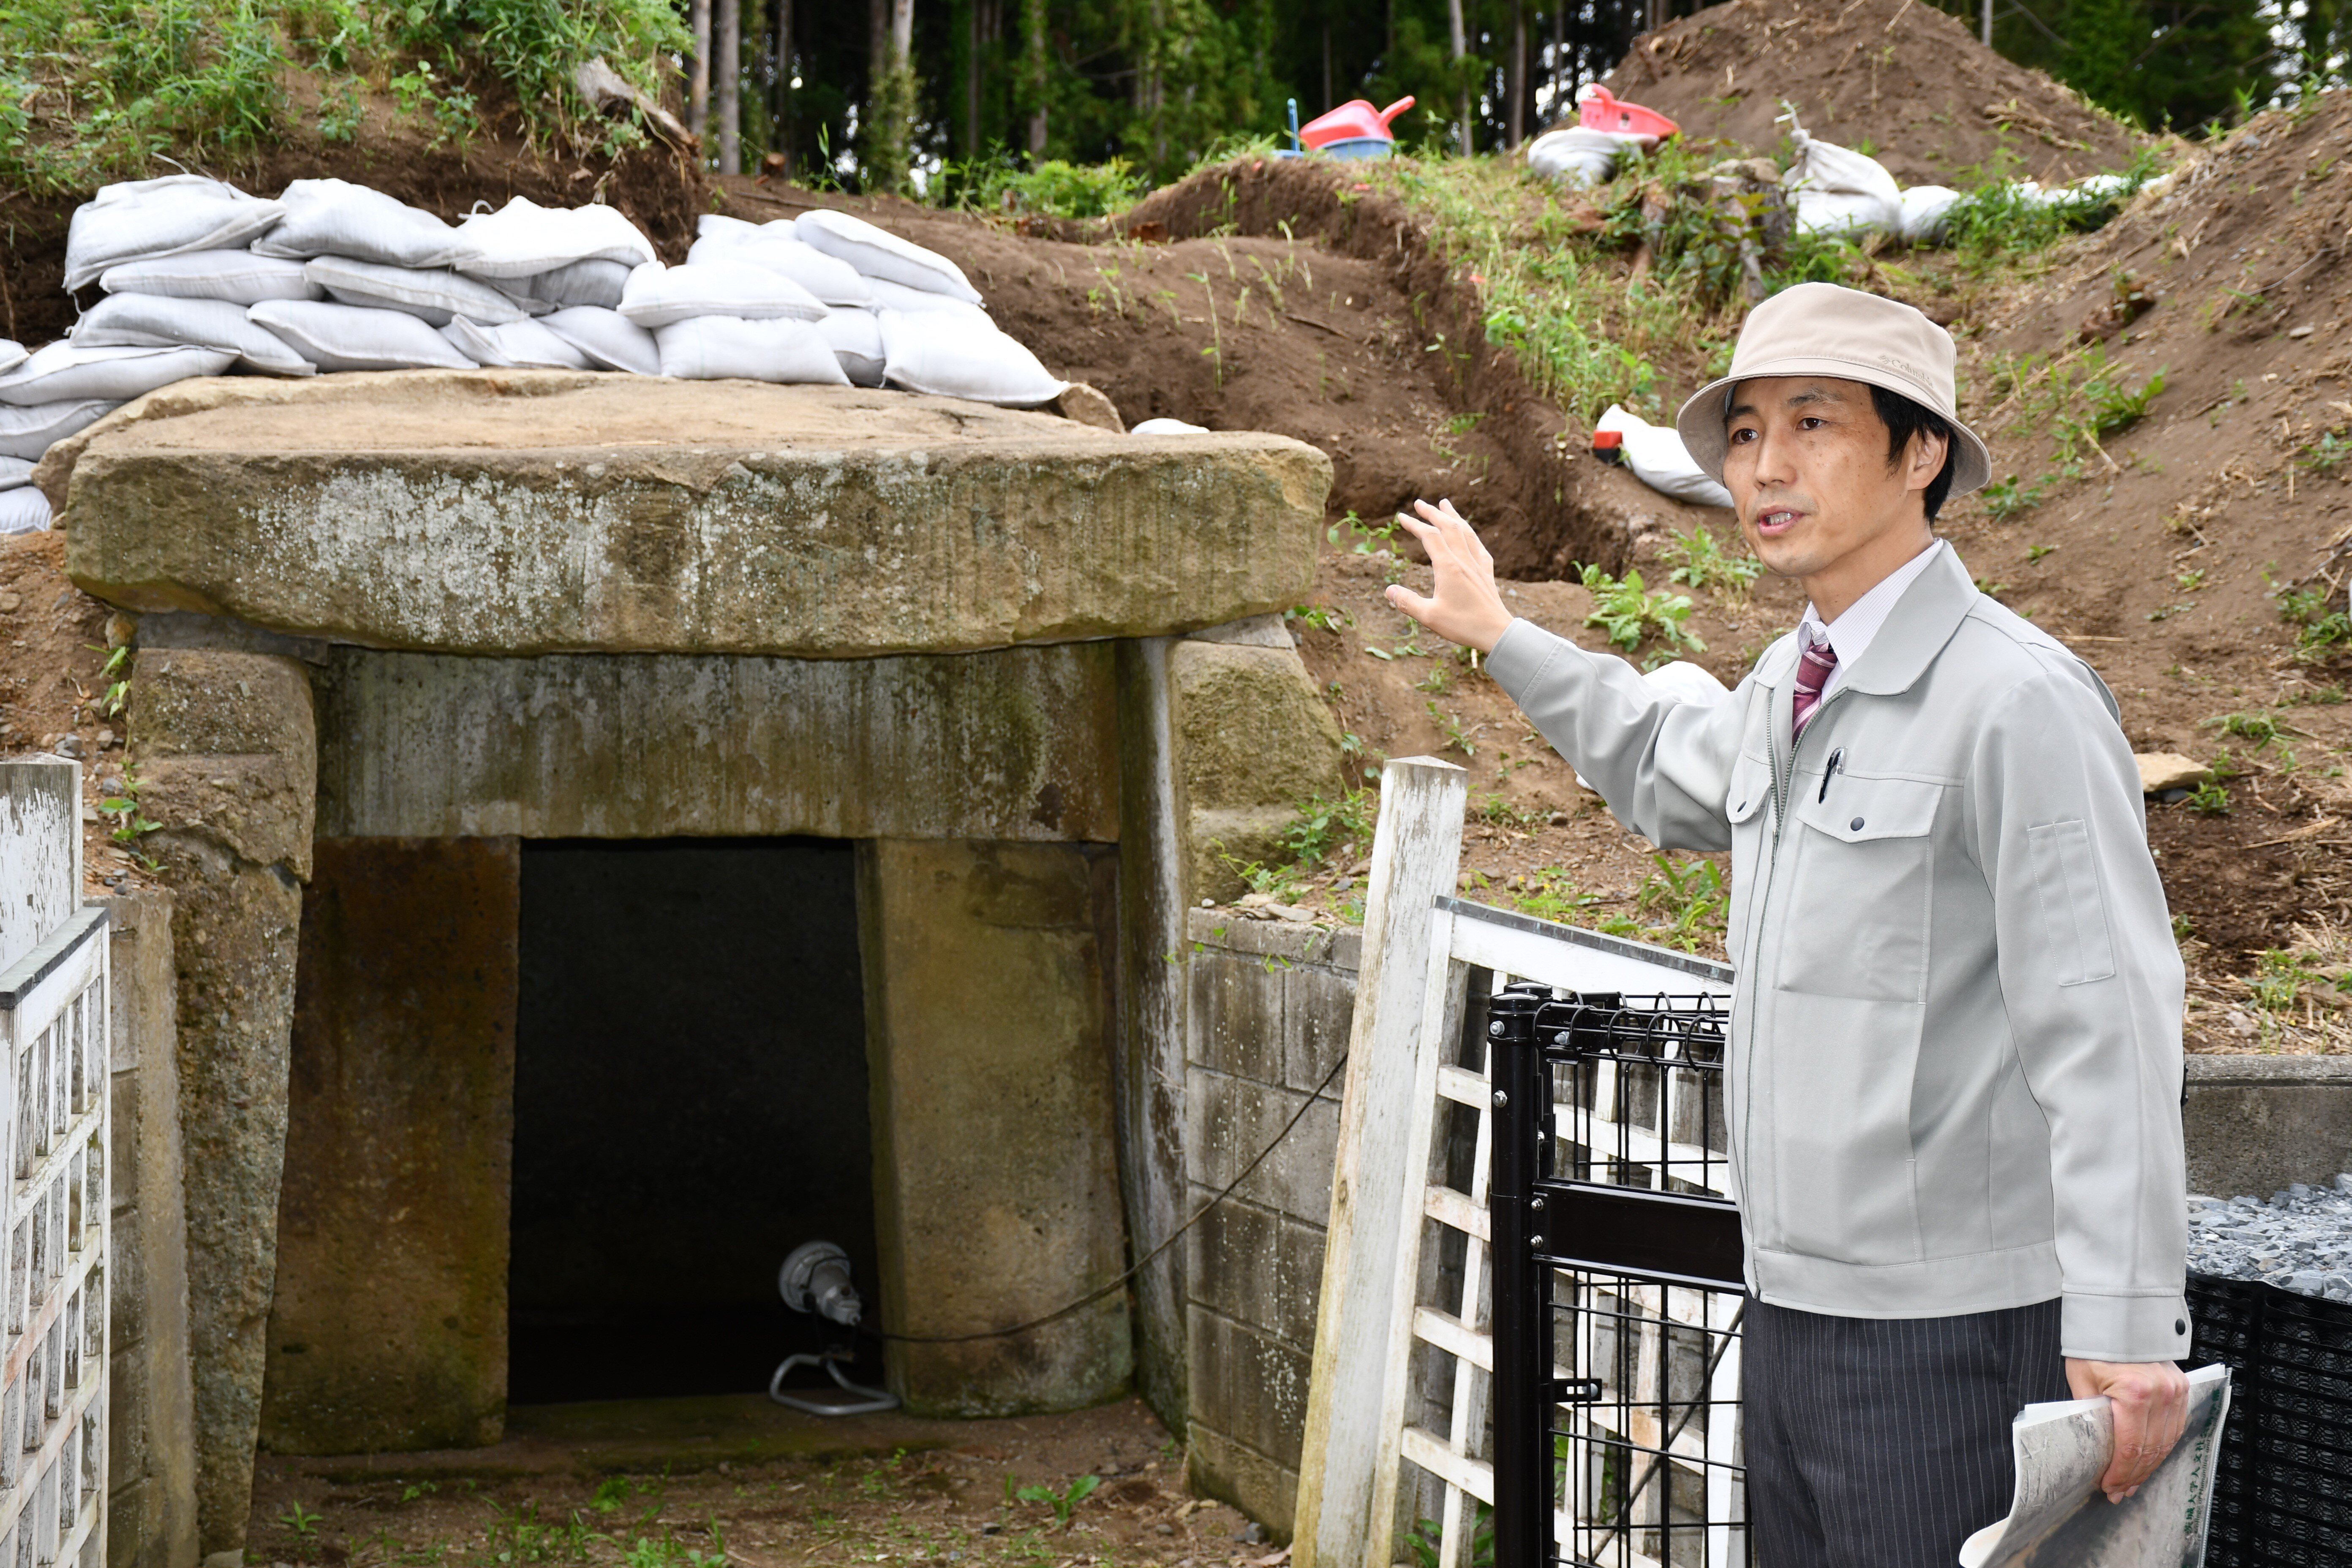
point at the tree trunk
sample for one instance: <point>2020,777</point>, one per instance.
<point>780,106</point>
<point>1033,72</point>
<point>1560,103</point>
<point>1459,38</point>
<point>726,54</point>
<point>1515,77</point>
<point>971,77</point>
<point>1326,106</point>
<point>698,81</point>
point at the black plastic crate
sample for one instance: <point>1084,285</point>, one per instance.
<point>2284,1498</point>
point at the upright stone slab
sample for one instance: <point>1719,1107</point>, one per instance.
<point>1252,739</point>
<point>226,756</point>
<point>996,1170</point>
<point>150,1441</point>
<point>388,1331</point>
<point>40,850</point>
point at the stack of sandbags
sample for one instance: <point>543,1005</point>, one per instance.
<point>894,313</point>
<point>201,278</point>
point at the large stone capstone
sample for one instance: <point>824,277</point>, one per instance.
<point>539,512</point>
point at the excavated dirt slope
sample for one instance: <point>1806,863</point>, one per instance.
<point>1904,77</point>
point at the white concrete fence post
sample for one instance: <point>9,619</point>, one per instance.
<point>1416,856</point>
<point>56,1057</point>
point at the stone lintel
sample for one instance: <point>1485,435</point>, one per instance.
<point>502,512</point>
<point>1021,743</point>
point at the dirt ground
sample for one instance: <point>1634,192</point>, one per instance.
<point>1904,82</point>
<point>696,1483</point>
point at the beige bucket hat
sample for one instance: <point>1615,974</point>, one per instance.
<point>1820,328</point>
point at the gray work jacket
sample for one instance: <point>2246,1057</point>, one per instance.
<point>1954,1080</point>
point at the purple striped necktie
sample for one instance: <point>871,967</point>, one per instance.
<point>1812,674</point>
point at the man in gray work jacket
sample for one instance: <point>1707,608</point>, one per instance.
<point>1955,1073</point>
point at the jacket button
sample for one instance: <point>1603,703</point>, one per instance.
<point>1855,826</point>
<point>2179,1326</point>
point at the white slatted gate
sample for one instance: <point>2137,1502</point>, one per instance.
<point>1448,1315</point>
<point>53,1115</point>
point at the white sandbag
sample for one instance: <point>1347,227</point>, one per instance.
<point>581,283</point>
<point>609,339</point>
<point>1169,428</point>
<point>889,296</point>
<point>335,217</point>
<point>433,294</point>
<point>831,279</point>
<point>238,277</point>
<point>1659,459</point>
<point>658,295</point>
<point>855,338</point>
<point>354,337</point>
<point>523,239</point>
<point>15,471</point>
<point>930,352</point>
<point>29,431</point>
<point>1579,156</point>
<point>160,217</point>
<point>158,320</point>
<point>715,348</point>
<point>879,254</point>
<point>519,345</point>
<point>24,509</point>
<point>12,355</point>
<point>1926,212</point>
<point>1837,190</point>
<point>66,372</point>
<point>719,225</point>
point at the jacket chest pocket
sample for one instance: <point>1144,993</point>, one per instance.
<point>1748,806</point>
<point>1860,866</point>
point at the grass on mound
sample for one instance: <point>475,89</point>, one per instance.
<point>98,89</point>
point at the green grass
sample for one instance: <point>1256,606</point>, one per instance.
<point>98,89</point>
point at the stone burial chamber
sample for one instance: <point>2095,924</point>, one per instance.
<point>622,829</point>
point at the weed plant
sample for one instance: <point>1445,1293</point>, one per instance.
<point>99,89</point>
<point>1703,563</point>
<point>1000,183</point>
<point>1630,611</point>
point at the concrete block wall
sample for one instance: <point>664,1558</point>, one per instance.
<point>1268,1009</point>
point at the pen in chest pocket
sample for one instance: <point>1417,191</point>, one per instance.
<point>1837,760</point>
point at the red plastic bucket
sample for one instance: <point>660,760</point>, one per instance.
<point>1596,110</point>
<point>1353,121</point>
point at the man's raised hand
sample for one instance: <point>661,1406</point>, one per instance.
<point>1465,606</point>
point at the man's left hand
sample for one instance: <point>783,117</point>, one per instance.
<point>2150,1399</point>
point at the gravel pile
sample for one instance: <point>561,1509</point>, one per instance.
<point>2300,1240</point>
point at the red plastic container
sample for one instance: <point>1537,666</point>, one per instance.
<point>1598,111</point>
<point>1353,121</point>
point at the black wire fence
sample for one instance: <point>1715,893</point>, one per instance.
<point>1617,1291</point>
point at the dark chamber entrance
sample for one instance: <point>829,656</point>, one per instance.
<point>690,1104</point>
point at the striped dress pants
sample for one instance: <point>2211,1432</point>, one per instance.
<point>1883,1442</point>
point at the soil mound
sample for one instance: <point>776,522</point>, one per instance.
<point>1274,295</point>
<point>1907,78</point>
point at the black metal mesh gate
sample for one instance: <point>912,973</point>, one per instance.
<point>1617,1286</point>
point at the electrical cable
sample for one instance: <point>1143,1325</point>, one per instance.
<point>1091,1297</point>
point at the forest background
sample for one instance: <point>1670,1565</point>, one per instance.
<point>1074,106</point>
